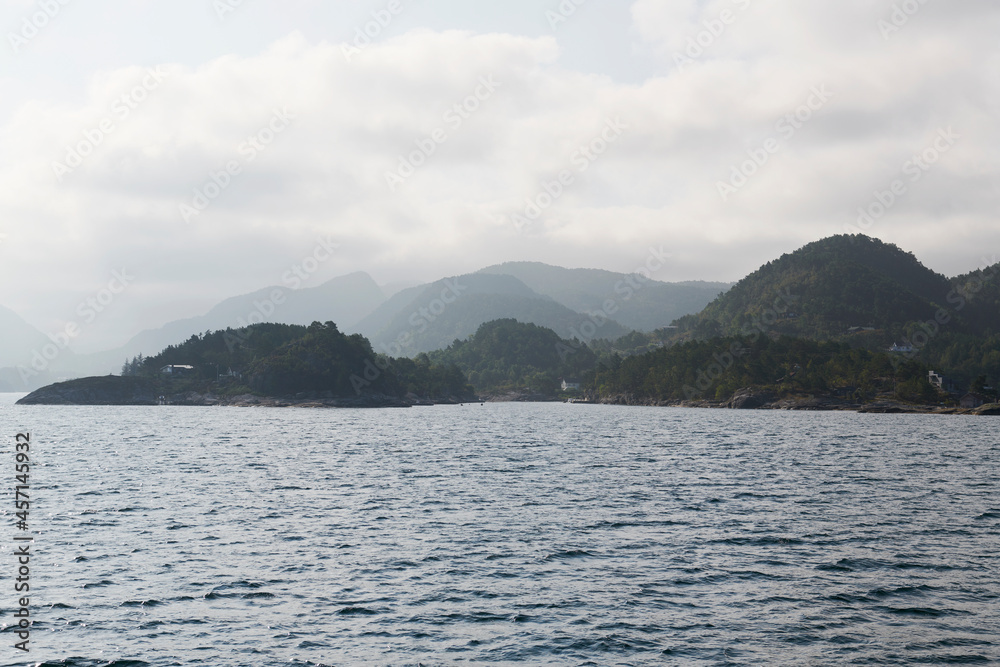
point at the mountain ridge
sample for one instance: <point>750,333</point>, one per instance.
<point>445,311</point>
<point>641,303</point>
<point>839,287</point>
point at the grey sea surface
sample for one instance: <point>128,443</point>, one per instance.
<point>542,534</point>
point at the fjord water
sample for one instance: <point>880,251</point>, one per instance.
<point>505,534</point>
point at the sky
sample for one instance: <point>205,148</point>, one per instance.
<point>183,152</point>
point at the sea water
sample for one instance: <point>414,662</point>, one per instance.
<point>542,534</point>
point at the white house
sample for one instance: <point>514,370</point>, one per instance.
<point>570,386</point>
<point>178,369</point>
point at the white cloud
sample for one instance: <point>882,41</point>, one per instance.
<point>656,184</point>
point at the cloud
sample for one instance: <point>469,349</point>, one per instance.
<point>655,184</point>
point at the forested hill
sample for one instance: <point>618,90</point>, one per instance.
<point>507,355</point>
<point>978,293</point>
<point>826,289</point>
<point>290,360</point>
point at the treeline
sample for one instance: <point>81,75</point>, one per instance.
<point>326,360</point>
<point>507,355</point>
<point>636,342</point>
<point>964,359</point>
<point>715,369</point>
<point>215,353</point>
<point>281,359</point>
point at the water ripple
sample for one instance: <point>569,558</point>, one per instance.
<point>513,534</point>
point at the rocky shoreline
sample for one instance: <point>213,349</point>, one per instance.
<point>748,399</point>
<point>312,401</point>
<point>114,390</point>
<point>520,397</point>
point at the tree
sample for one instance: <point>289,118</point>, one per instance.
<point>133,366</point>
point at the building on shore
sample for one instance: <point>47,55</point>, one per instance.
<point>178,370</point>
<point>972,400</point>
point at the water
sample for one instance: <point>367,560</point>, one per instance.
<point>505,534</point>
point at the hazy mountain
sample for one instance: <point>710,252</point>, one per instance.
<point>640,304</point>
<point>382,316</point>
<point>433,316</point>
<point>343,300</point>
<point>28,358</point>
<point>394,288</point>
<point>855,288</point>
<point>23,378</point>
<point>18,339</point>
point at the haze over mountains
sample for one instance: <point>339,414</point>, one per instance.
<point>410,321</point>
<point>455,308</point>
<point>852,288</point>
<point>640,305</point>
<point>18,336</point>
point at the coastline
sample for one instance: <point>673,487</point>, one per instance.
<point>808,404</point>
<point>115,390</point>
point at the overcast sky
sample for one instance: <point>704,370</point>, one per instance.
<point>643,109</point>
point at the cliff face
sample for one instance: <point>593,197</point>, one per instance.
<point>106,390</point>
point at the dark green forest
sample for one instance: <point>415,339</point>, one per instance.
<point>280,359</point>
<point>715,369</point>
<point>507,355</point>
<point>835,287</point>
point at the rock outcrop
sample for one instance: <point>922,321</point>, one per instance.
<point>106,390</point>
<point>748,399</point>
